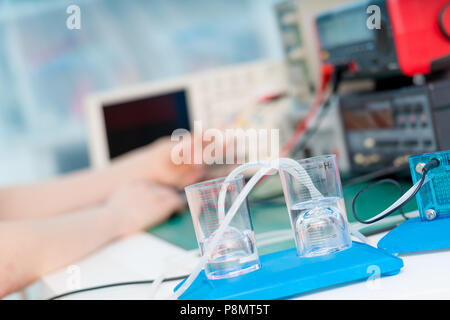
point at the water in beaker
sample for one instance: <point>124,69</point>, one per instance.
<point>316,206</point>
<point>235,255</point>
<point>320,227</point>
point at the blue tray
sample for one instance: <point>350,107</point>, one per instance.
<point>283,274</point>
<point>415,235</point>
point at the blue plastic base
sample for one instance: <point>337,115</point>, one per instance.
<point>283,274</point>
<point>415,235</point>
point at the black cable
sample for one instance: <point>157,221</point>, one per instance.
<point>310,132</point>
<point>303,141</point>
<point>271,199</point>
<point>433,163</point>
<point>116,284</point>
<point>441,21</point>
<point>369,187</point>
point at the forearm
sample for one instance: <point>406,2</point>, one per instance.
<point>64,194</point>
<point>30,249</point>
<point>85,188</point>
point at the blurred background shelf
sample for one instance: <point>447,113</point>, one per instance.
<point>47,70</point>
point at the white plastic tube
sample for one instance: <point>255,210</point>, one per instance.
<point>297,171</point>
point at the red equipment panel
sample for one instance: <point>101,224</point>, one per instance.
<point>421,31</point>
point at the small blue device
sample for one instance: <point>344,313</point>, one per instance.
<point>431,230</point>
<point>433,199</point>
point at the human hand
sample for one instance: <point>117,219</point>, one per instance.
<point>154,163</point>
<point>137,206</point>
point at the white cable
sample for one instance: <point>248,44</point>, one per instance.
<point>358,235</point>
<point>297,171</point>
<point>172,263</point>
<point>231,176</point>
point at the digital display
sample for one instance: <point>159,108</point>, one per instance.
<point>368,118</point>
<point>343,28</point>
<point>133,124</point>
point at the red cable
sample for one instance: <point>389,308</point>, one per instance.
<point>327,72</point>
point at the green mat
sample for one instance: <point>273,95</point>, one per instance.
<point>273,215</point>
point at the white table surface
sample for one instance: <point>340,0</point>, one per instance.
<point>143,256</point>
<point>139,257</point>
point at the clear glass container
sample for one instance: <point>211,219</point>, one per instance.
<point>236,253</point>
<point>318,219</point>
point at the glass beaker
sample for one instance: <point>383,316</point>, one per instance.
<point>236,253</point>
<point>316,206</point>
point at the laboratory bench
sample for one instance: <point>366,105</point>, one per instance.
<point>147,255</point>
